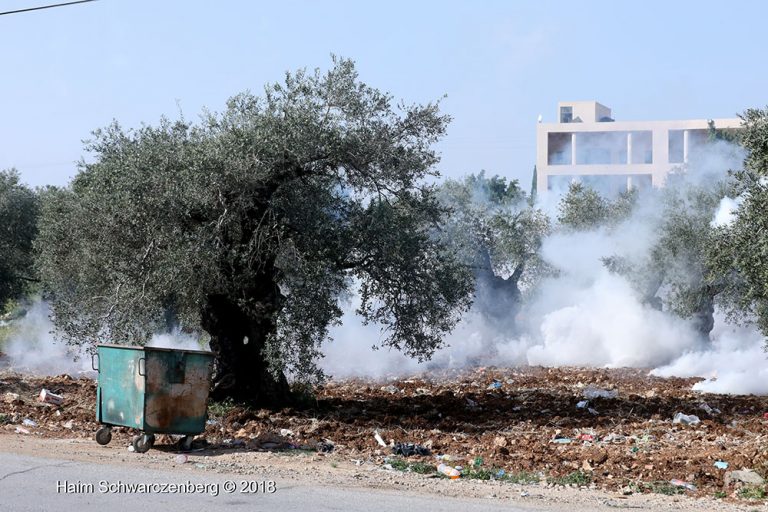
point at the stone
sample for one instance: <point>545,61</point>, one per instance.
<point>747,476</point>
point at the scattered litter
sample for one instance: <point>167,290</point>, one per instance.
<point>181,459</point>
<point>721,465</point>
<point>449,471</point>
<point>471,404</point>
<point>28,423</point>
<point>446,458</point>
<point>500,473</point>
<point>587,437</point>
<point>68,424</point>
<point>325,446</point>
<point>591,392</point>
<point>524,494</point>
<point>286,432</point>
<point>21,430</point>
<point>378,438</point>
<point>408,449</point>
<point>561,440</point>
<point>131,448</point>
<point>681,483</point>
<point>213,422</point>
<point>583,404</point>
<point>495,385</point>
<point>9,397</point>
<point>593,411</point>
<point>709,410</point>
<point>50,398</point>
<point>686,419</point>
<point>391,389</point>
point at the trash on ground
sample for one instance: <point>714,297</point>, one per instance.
<point>408,449</point>
<point>286,432</point>
<point>28,423</point>
<point>50,398</point>
<point>712,411</point>
<point>495,385</point>
<point>586,437</point>
<point>378,438</point>
<point>69,425</point>
<point>325,446</point>
<point>686,419</point>
<point>561,440</point>
<point>21,430</point>
<point>449,471</point>
<point>582,404</point>
<point>181,459</point>
<point>10,398</point>
<point>591,392</point>
<point>721,464</point>
<point>681,483</point>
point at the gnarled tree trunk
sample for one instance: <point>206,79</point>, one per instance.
<point>237,341</point>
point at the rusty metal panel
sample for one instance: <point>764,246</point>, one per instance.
<point>176,395</point>
<point>120,394</point>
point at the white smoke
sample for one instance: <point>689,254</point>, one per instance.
<point>32,348</point>
<point>726,211</point>
<point>588,316</point>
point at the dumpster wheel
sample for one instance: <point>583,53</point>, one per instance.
<point>104,435</point>
<point>185,443</point>
<point>142,443</point>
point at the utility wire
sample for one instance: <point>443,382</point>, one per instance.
<point>46,7</point>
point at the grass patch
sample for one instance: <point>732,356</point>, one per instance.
<point>221,409</point>
<point>752,493</point>
<point>720,494</point>
<point>522,477</point>
<point>5,419</point>
<point>573,478</point>
<point>659,487</point>
<point>421,468</point>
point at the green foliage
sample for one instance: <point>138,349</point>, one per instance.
<point>419,467</point>
<point>278,205</point>
<point>521,477</point>
<point>221,409</point>
<point>752,493</point>
<point>574,478</point>
<point>738,255</point>
<point>491,220</point>
<point>19,208</point>
<point>583,208</point>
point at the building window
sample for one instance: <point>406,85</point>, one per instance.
<point>566,114</point>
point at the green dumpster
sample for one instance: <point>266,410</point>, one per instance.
<point>154,390</point>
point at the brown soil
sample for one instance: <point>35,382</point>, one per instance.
<point>634,447</point>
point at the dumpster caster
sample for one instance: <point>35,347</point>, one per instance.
<point>143,443</point>
<point>104,435</point>
<point>185,443</point>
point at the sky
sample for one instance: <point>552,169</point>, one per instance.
<point>499,65</point>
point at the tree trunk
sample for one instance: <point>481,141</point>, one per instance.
<point>237,341</point>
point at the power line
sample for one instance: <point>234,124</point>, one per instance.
<point>46,7</point>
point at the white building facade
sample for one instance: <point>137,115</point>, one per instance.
<point>588,145</point>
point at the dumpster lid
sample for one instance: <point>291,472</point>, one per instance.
<point>160,349</point>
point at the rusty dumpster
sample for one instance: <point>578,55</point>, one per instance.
<point>154,390</point>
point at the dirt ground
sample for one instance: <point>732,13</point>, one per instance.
<point>532,423</point>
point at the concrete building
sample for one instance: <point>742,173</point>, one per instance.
<point>586,144</point>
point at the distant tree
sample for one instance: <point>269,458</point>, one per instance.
<point>582,208</point>
<point>252,224</point>
<point>18,226</point>
<point>496,232</point>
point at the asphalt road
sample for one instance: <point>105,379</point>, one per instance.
<point>34,484</point>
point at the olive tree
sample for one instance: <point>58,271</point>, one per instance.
<point>19,208</point>
<point>250,224</point>
<point>498,234</point>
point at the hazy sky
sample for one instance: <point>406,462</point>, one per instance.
<point>69,70</point>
